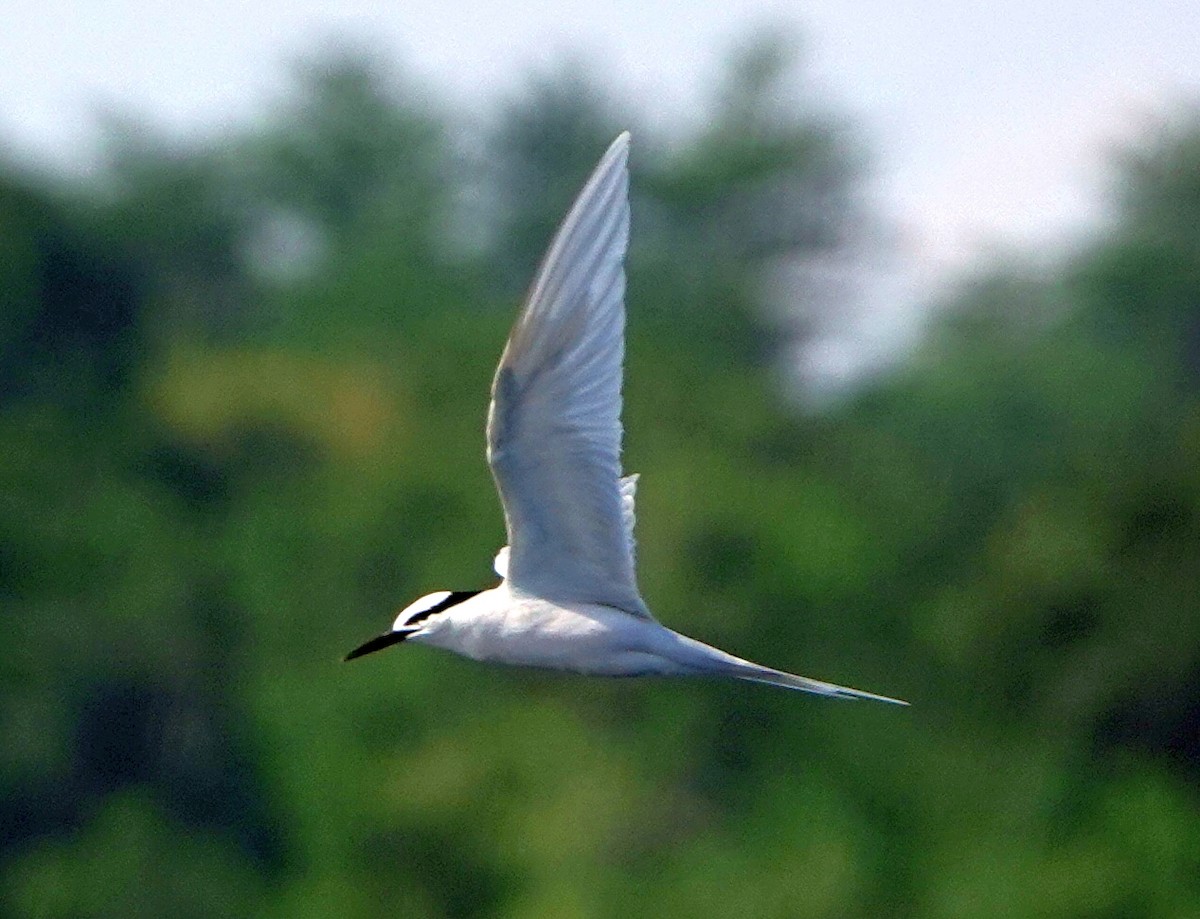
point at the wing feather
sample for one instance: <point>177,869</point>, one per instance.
<point>554,425</point>
<point>628,520</point>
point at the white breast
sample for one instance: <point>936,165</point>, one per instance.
<point>505,627</point>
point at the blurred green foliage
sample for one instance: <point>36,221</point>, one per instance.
<point>242,389</point>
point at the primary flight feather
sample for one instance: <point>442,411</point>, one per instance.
<point>568,598</point>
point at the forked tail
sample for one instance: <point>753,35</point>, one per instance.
<point>758,674</point>
<point>697,658</point>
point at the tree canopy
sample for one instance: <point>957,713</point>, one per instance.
<point>241,405</point>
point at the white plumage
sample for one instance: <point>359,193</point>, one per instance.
<point>568,599</point>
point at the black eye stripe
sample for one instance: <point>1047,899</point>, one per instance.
<point>453,600</point>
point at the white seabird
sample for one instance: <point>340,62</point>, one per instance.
<point>568,597</point>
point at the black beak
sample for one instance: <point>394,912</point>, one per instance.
<point>378,643</point>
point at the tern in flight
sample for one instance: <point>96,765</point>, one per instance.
<point>568,598</point>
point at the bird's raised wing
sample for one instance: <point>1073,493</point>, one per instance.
<point>628,519</point>
<point>554,426</point>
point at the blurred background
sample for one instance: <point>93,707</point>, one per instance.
<point>913,379</point>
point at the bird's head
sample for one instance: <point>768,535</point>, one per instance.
<point>414,619</point>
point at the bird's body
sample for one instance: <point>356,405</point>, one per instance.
<point>568,598</point>
<point>506,626</point>
<point>509,626</point>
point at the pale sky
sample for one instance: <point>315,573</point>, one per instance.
<point>989,122</point>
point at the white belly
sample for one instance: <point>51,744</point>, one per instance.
<point>531,632</point>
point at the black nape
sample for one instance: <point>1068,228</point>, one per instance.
<point>453,600</point>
